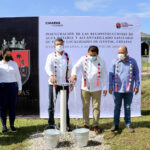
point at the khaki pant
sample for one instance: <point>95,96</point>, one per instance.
<point>86,96</point>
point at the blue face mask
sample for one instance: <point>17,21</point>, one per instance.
<point>92,58</point>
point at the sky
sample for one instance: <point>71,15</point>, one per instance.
<point>110,8</point>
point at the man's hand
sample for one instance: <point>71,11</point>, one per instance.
<point>71,87</point>
<point>110,91</point>
<point>19,92</point>
<point>52,79</point>
<point>73,78</point>
<point>136,90</point>
<point>104,92</point>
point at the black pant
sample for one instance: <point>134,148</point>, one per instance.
<point>51,104</point>
<point>8,99</point>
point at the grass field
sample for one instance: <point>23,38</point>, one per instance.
<point>140,140</point>
<point>145,64</point>
<point>121,140</point>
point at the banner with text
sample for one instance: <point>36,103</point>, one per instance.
<point>108,33</point>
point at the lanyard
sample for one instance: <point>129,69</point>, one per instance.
<point>55,68</point>
<point>85,71</point>
<point>117,74</point>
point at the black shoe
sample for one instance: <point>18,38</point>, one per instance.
<point>50,127</point>
<point>69,129</point>
<point>85,126</point>
<point>114,128</point>
<point>4,130</point>
<point>13,129</point>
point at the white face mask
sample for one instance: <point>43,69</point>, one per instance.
<point>121,56</point>
<point>59,48</point>
<point>92,58</point>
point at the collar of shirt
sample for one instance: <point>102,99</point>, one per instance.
<point>4,62</point>
<point>59,55</point>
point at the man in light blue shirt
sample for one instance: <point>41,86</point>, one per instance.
<point>123,82</point>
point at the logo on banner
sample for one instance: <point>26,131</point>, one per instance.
<point>20,55</point>
<point>23,61</point>
<point>54,23</point>
<point>118,25</point>
<point>123,25</point>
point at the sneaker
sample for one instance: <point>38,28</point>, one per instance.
<point>97,130</point>
<point>114,128</point>
<point>85,126</point>
<point>130,129</point>
<point>4,130</point>
<point>50,127</point>
<point>13,129</point>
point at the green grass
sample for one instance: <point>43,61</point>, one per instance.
<point>145,64</point>
<point>121,140</point>
<point>145,94</point>
<point>140,140</point>
<point>18,140</point>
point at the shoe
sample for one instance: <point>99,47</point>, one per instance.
<point>97,130</point>
<point>114,128</point>
<point>13,129</point>
<point>130,129</point>
<point>69,129</point>
<point>4,130</point>
<point>85,126</point>
<point>50,127</point>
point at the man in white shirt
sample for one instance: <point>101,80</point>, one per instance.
<point>58,68</point>
<point>94,79</point>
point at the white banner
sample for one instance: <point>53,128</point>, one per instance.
<point>108,33</point>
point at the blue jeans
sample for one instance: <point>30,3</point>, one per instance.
<point>118,97</point>
<point>8,100</point>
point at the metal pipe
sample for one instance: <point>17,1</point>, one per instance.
<point>63,110</point>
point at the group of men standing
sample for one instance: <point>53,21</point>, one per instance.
<point>123,82</point>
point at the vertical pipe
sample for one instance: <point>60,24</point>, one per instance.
<point>63,110</point>
<point>75,100</point>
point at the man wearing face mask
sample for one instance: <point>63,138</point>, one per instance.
<point>58,68</point>
<point>94,80</point>
<point>10,86</point>
<point>123,81</point>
